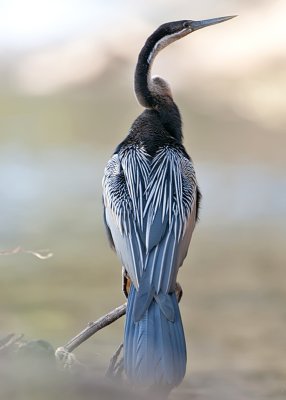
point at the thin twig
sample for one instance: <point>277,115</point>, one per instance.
<point>102,322</point>
<point>119,367</point>
<point>42,254</point>
<point>95,326</point>
<point>64,353</point>
<point>9,341</point>
<point>112,367</point>
<point>6,339</point>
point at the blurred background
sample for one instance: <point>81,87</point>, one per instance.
<point>66,101</point>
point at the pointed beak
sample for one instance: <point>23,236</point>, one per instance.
<point>195,25</point>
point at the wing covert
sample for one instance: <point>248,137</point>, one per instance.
<point>150,208</point>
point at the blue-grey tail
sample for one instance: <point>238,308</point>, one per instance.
<point>154,346</point>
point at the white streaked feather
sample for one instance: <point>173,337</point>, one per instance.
<point>162,263</point>
<point>135,189</point>
<point>180,198</point>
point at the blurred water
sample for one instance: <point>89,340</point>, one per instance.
<point>233,278</point>
<point>50,181</point>
<point>41,186</point>
<point>237,193</point>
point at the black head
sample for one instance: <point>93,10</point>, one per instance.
<point>184,27</point>
<point>172,31</point>
<point>146,89</point>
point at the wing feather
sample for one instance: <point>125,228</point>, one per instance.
<point>150,209</point>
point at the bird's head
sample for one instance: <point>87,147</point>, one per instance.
<point>172,31</point>
<point>149,90</point>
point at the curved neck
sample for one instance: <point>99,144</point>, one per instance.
<point>155,93</point>
<point>156,42</point>
<point>143,73</point>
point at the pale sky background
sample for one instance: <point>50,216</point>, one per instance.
<point>59,44</point>
<point>54,45</point>
<point>45,27</point>
<point>66,101</point>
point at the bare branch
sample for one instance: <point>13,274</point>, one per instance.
<point>95,326</point>
<point>68,360</point>
<point>102,322</point>
<point>9,342</point>
<point>42,254</point>
<point>113,365</point>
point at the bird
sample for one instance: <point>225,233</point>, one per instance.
<point>151,204</point>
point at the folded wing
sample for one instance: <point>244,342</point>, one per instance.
<point>150,211</point>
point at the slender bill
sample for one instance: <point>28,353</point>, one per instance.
<point>195,25</point>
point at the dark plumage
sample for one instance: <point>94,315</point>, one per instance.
<point>151,202</point>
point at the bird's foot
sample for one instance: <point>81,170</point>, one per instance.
<point>126,282</point>
<point>179,291</point>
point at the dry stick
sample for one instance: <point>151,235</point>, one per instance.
<point>101,323</point>
<point>9,341</point>
<point>112,364</point>
<point>95,326</point>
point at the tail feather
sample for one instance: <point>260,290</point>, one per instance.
<point>154,347</point>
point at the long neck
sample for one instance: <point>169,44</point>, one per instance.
<point>143,73</point>
<point>156,94</point>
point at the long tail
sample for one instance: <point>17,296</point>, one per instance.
<point>154,347</point>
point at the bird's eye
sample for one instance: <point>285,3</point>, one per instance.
<point>186,25</point>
